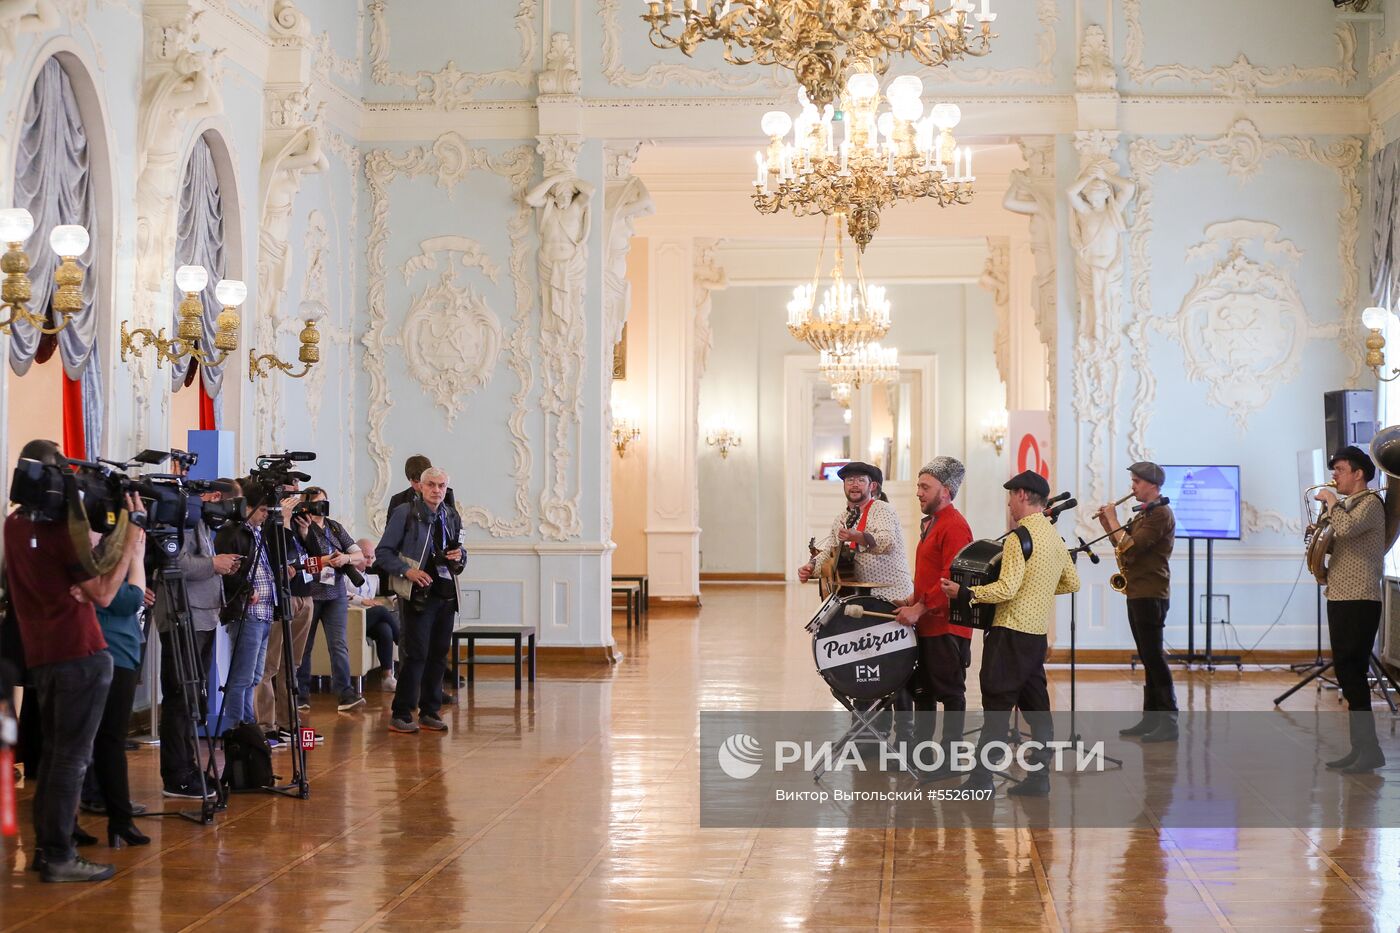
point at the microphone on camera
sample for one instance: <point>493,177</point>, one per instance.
<point>299,455</point>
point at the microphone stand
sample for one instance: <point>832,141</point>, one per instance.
<point>1084,548</point>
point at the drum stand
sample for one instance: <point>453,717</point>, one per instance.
<point>866,725</point>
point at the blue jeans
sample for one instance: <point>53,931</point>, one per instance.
<point>70,697</point>
<point>382,628</point>
<point>248,654</point>
<point>332,615</point>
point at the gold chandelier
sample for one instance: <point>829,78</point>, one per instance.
<point>850,314</point>
<point>821,41</point>
<point>883,157</point>
<point>865,365</point>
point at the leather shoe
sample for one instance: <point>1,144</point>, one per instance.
<point>1146,724</point>
<point>1367,760</point>
<point>80,869</point>
<point>1166,731</point>
<point>1036,784</point>
<point>1337,764</point>
<point>978,780</point>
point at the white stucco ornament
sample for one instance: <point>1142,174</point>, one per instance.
<point>1242,326</point>
<point>451,342</point>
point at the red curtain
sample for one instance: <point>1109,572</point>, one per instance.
<point>74,438</point>
<point>206,410</point>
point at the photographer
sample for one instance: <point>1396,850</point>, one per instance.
<point>334,549</point>
<point>68,669</point>
<point>250,594</point>
<point>203,569</point>
<point>421,549</point>
<point>381,620</point>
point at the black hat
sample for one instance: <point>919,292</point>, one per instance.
<point>1358,460</point>
<point>1031,482</point>
<point>1148,472</point>
<point>857,468</point>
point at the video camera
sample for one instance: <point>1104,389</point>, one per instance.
<point>319,509</point>
<point>275,477</point>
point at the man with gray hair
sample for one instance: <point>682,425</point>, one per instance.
<point>945,650</point>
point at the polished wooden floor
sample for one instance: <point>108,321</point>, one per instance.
<point>574,807</point>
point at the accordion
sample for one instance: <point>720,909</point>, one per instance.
<point>977,565</point>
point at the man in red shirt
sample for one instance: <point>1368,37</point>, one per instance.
<point>69,669</point>
<point>945,650</point>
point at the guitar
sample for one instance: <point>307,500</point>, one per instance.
<point>830,576</point>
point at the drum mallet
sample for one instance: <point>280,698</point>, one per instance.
<point>860,612</point>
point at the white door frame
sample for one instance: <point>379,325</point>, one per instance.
<point>797,438</point>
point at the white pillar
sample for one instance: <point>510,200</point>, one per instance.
<point>672,530</point>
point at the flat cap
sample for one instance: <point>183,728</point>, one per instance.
<point>859,468</point>
<point>1148,472</point>
<point>1030,481</point>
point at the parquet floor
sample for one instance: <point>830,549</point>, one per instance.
<point>574,807</point>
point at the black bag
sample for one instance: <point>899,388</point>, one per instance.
<point>247,758</point>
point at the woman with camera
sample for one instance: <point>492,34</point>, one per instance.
<point>334,550</point>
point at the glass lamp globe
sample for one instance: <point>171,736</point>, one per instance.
<point>1375,318</point>
<point>776,123</point>
<point>191,279</point>
<point>862,86</point>
<point>946,116</point>
<point>885,124</point>
<point>230,293</point>
<point>16,225</point>
<point>908,109</point>
<point>69,240</point>
<point>904,87</point>
<point>310,311</point>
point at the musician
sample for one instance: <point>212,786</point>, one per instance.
<point>869,534</point>
<point>1357,516</point>
<point>1144,551</point>
<point>1013,655</point>
<point>945,650</point>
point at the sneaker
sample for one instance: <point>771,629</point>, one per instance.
<point>284,734</point>
<point>431,723</point>
<point>80,869</point>
<point>350,701</point>
<point>187,791</point>
<point>403,725</point>
<point>389,684</point>
<point>303,706</point>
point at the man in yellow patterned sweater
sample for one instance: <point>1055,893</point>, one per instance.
<point>1013,654</point>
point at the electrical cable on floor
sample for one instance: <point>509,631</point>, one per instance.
<point>1279,618</point>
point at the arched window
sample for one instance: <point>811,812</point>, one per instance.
<point>200,242</point>
<point>54,182</point>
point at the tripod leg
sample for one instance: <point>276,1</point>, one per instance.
<point>1278,700</point>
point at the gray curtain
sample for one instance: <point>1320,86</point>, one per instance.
<point>54,182</point>
<point>1385,226</point>
<point>200,242</point>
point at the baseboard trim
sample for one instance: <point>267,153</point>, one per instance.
<point>720,576</point>
<point>1123,656</point>
<point>598,654</point>
<point>663,602</point>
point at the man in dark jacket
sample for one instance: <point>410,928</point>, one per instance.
<point>421,547</point>
<point>413,469</point>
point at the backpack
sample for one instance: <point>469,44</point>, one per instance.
<point>247,758</point>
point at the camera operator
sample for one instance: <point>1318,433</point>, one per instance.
<point>250,594</point>
<point>334,549</point>
<point>421,549</point>
<point>270,697</point>
<point>203,569</point>
<point>68,669</point>
<point>381,619</point>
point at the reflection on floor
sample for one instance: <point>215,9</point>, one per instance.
<point>575,807</point>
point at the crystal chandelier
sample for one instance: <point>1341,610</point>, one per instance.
<point>821,41</point>
<point>883,157</point>
<point>850,314</point>
<point>841,394</point>
<point>863,366</point>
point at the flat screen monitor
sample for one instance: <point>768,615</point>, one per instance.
<point>831,467</point>
<point>1205,500</point>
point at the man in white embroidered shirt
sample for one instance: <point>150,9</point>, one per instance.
<point>866,541</point>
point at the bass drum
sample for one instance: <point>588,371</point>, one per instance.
<point>863,658</point>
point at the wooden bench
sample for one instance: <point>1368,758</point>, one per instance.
<point>641,580</point>
<point>471,632</point>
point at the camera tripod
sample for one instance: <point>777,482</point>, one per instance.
<point>171,593</point>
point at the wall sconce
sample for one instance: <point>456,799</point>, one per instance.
<point>726,439</point>
<point>231,293</point>
<point>68,241</point>
<point>841,394</point>
<point>994,431</point>
<point>624,432</point>
<point>309,355</point>
<point>1375,320</point>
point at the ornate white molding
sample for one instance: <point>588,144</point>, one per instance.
<point>1095,73</point>
<point>449,87</point>
<point>1047,14</point>
<point>1256,520</point>
<point>1241,78</point>
<point>315,293</point>
<point>1242,151</point>
<point>560,75</point>
<point>451,338</point>
<point>20,18</point>
<point>181,88</point>
<point>1032,192</point>
<point>724,77</point>
<point>709,278</point>
<point>996,278</point>
<point>449,161</point>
